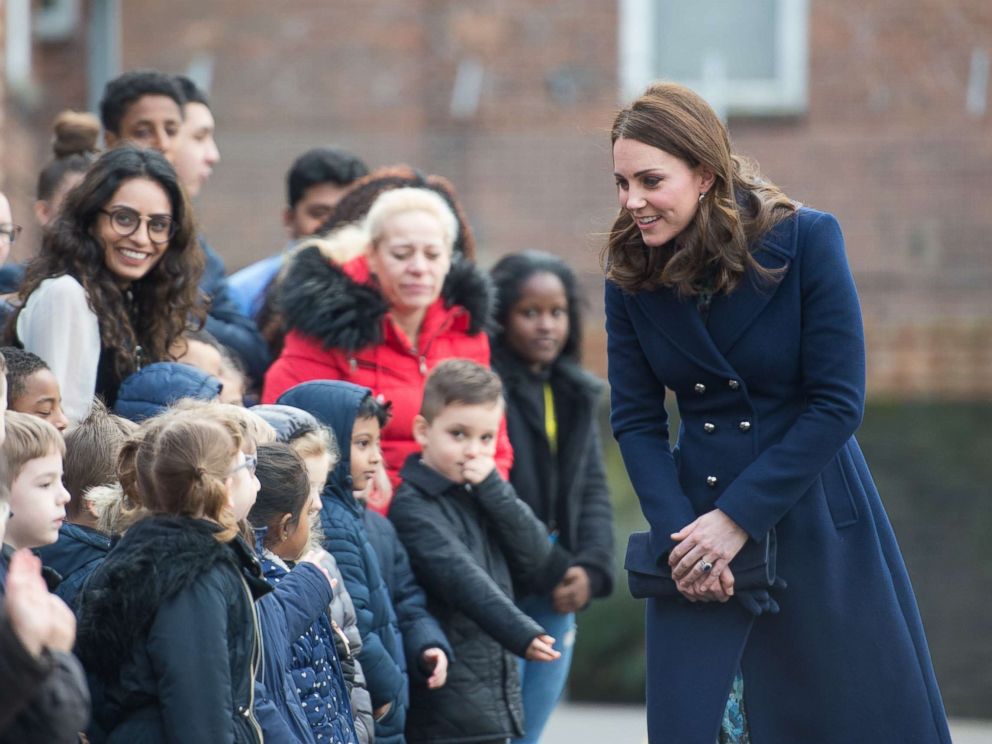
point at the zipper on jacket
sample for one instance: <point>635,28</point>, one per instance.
<point>256,659</point>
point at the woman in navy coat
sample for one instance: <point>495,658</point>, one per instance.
<point>741,302</point>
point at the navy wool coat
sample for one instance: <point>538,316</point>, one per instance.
<point>770,391</point>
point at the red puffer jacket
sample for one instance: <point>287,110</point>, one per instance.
<point>340,329</point>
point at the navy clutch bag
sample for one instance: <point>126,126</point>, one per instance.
<point>754,568</point>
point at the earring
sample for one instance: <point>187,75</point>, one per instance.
<point>702,195</point>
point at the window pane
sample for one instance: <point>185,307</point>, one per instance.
<point>738,37</point>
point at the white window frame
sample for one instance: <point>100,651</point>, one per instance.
<point>782,95</point>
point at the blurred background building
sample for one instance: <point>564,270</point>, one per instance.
<point>875,110</point>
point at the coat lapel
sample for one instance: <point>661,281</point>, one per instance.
<point>680,321</point>
<point>732,314</point>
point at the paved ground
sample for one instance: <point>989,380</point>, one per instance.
<point>616,724</point>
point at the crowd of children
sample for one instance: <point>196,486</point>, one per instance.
<point>392,548</point>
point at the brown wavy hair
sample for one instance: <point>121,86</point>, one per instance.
<point>165,301</point>
<point>739,208</point>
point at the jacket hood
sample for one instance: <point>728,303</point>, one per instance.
<point>156,559</point>
<point>334,404</point>
<point>153,388</point>
<point>343,308</point>
<point>514,371</point>
<point>289,422</point>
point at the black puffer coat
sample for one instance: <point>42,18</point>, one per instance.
<point>467,545</point>
<point>169,638</point>
<point>569,492</point>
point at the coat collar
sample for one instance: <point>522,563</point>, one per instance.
<point>730,315</point>
<point>342,307</point>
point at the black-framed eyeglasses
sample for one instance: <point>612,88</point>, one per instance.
<point>125,222</point>
<point>249,464</point>
<point>10,231</point>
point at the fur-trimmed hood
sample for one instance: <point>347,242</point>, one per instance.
<point>343,307</point>
<point>155,560</point>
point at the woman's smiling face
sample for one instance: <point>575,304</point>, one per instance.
<point>660,190</point>
<point>130,258</point>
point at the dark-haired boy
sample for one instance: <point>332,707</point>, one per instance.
<point>197,152</point>
<point>143,107</point>
<point>470,539</point>
<point>315,184</point>
<point>32,387</point>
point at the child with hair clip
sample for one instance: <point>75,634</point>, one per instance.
<point>168,631</point>
<point>551,405</point>
<point>316,446</point>
<point>294,605</point>
<point>282,522</point>
<point>91,451</point>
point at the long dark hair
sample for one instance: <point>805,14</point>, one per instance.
<point>163,303</point>
<point>740,207</point>
<point>512,272</point>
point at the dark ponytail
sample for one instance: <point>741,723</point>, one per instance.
<point>285,487</point>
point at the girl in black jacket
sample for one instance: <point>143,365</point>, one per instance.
<point>167,627</point>
<point>551,405</point>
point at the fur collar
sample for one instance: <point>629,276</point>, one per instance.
<point>155,560</point>
<point>336,305</point>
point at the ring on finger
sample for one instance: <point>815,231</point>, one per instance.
<point>705,566</point>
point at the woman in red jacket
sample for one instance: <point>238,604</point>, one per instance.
<point>387,317</point>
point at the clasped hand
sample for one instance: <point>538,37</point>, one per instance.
<point>714,539</point>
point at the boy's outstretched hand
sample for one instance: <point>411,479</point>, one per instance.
<point>435,661</point>
<point>478,468</point>
<point>542,649</point>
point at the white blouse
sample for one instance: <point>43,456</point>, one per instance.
<point>58,325</point>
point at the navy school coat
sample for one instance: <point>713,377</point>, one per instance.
<point>770,394</point>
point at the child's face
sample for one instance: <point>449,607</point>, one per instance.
<point>41,397</point>
<point>243,486</point>
<point>537,324</point>
<point>458,434</point>
<point>365,452</point>
<point>37,503</point>
<point>317,467</point>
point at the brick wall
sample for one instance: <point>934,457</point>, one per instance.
<point>886,144</point>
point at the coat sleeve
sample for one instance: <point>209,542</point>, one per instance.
<point>304,594</point>
<point>193,669</point>
<point>301,360</point>
<point>449,571</point>
<point>418,627</point>
<point>384,678</point>
<point>504,449</point>
<point>522,537</point>
<point>594,546</point>
<point>832,365</point>
<point>640,426</point>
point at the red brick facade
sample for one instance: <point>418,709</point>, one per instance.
<point>886,144</point>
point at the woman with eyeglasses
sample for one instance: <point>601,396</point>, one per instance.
<point>116,282</point>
